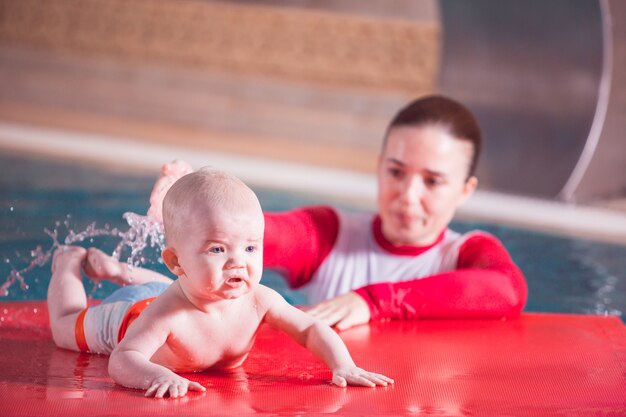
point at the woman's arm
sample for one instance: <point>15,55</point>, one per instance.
<point>297,242</point>
<point>487,284</point>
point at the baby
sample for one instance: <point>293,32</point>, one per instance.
<point>209,316</point>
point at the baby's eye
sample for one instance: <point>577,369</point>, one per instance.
<point>250,248</point>
<point>216,249</point>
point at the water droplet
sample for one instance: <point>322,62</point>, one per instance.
<point>11,208</point>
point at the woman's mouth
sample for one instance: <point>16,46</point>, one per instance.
<point>408,219</point>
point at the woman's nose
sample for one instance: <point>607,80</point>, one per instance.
<point>412,190</point>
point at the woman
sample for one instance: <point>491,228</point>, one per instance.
<point>404,262</point>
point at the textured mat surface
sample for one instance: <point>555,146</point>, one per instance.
<point>538,365</point>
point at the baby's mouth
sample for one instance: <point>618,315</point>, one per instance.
<point>234,281</point>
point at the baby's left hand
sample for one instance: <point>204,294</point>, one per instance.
<point>356,376</point>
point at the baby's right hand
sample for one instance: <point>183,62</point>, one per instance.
<point>176,386</point>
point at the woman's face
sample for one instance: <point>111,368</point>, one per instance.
<point>422,180</point>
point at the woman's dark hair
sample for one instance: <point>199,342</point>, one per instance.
<point>443,111</point>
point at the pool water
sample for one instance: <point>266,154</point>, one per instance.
<point>564,274</point>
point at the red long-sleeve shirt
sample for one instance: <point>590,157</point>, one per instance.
<point>486,282</point>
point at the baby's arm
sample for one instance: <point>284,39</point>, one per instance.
<point>320,339</point>
<point>130,363</point>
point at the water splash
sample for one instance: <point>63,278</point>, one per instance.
<point>142,233</point>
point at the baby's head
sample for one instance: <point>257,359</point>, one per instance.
<point>205,194</point>
<point>214,233</point>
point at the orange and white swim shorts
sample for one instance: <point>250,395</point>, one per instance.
<point>100,328</point>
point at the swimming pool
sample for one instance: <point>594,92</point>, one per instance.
<point>568,275</point>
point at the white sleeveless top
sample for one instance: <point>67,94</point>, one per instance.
<point>357,260</point>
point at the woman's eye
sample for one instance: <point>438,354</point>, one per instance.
<point>216,249</point>
<point>250,248</point>
<point>395,172</point>
<point>434,181</point>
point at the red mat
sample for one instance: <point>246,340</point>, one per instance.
<point>538,365</point>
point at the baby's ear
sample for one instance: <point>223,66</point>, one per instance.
<point>171,261</point>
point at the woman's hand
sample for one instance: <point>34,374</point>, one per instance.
<point>343,312</point>
<point>169,174</point>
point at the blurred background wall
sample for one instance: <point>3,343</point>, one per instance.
<point>316,82</point>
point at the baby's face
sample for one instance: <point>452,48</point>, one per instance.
<point>221,252</point>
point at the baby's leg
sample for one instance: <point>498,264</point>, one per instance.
<point>99,266</point>
<point>66,294</point>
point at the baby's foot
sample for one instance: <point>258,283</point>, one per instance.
<point>68,257</point>
<point>98,265</point>
<point>169,174</point>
